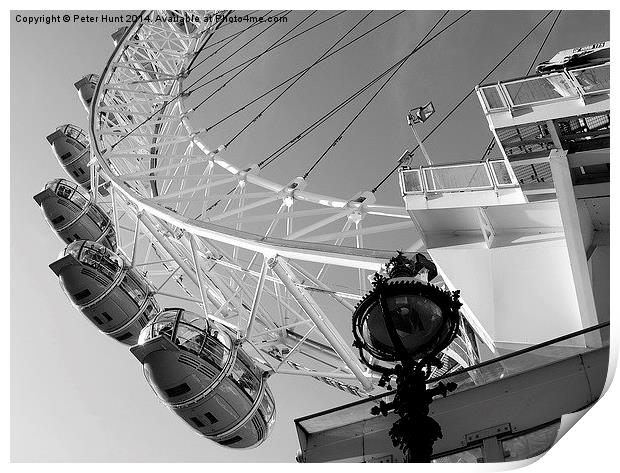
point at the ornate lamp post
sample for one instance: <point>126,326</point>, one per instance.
<point>404,323</point>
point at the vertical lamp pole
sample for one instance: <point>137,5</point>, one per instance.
<point>420,115</point>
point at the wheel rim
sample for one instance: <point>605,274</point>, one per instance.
<point>162,171</point>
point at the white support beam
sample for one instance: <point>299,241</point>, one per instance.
<point>574,242</point>
<point>152,174</point>
<point>240,282</point>
<point>272,225</point>
<point>317,225</point>
<point>313,310</point>
<point>170,276</point>
<point>150,146</point>
<point>152,263</point>
<point>187,269</point>
<point>209,175</point>
<point>176,296</point>
<point>247,207</point>
<point>388,227</point>
<point>202,198</point>
<point>173,195</point>
<point>192,244</point>
<point>322,285</point>
<point>488,232</point>
<point>95,182</point>
<point>241,195</point>
<point>279,305</point>
<point>135,241</point>
<point>93,173</point>
<point>116,217</point>
<point>229,301</point>
<point>281,328</point>
<point>295,348</point>
<point>289,215</point>
<point>317,374</point>
<point>338,242</point>
<point>257,297</point>
<point>359,243</point>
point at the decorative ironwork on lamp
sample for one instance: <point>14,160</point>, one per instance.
<point>405,322</point>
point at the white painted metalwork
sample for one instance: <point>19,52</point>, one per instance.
<point>457,177</point>
<point>547,88</point>
<point>169,181</point>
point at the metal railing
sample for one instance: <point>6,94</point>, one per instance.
<point>591,80</point>
<point>556,86</point>
<point>500,367</point>
<point>521,360</point>
<point>462,177</point>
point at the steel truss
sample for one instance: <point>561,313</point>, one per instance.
<point>259,260</point>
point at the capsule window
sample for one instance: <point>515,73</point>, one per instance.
<point>79,199</point>
<point>66,155</point>
<point>81,171</point>
<point>98,320</point>
<point>231,440</point>
<point>76,236</point>
<point>81,295</point>
<point>124,336</point>
<point>75,143</point>
<point>108,267</point>
<point>107,316</point>
<point>178,390</point>
<point>63,190</point>
<point>57,220</point>
<point>132,287</point>
<point>210,417</point>
<point>197,422</point>
<point>241,373</point>
<point>99,218</point>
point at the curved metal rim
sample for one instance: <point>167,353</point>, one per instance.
<point>369,259</point>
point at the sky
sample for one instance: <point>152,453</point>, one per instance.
<point>77,395</point>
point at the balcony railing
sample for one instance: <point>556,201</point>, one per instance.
<point>450,178</point>
<point>557,86</point>
<point>517,361</point>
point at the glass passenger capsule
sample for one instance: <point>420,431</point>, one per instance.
<point>71,146</point>
<point>86,89</point>
<point>73,216</point>
<point>198,371</point>
<point>114,296</point>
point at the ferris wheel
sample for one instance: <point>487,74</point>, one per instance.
<point>216,276</point>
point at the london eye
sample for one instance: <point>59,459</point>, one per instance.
<point>194,241</point>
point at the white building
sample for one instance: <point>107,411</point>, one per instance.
<point>525,238</point>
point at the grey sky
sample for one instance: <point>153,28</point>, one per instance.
<point>79,396</point>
